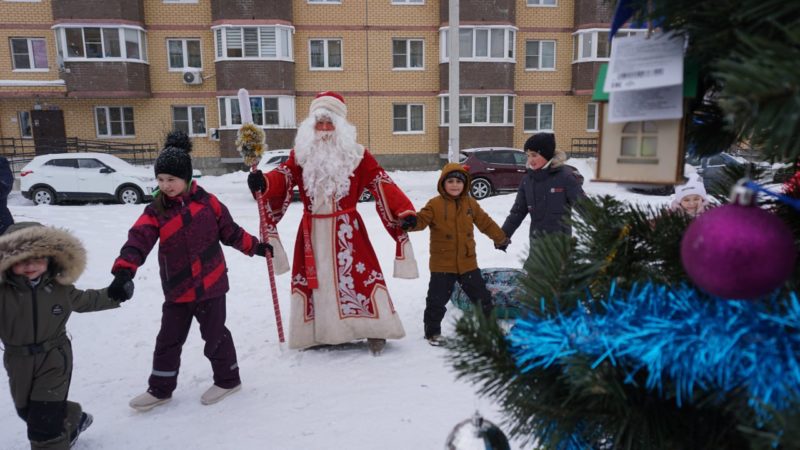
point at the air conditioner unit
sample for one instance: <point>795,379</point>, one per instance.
<point>213,134</point>
<point>192,77</point>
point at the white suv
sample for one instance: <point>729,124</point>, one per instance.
<point>57,177</point>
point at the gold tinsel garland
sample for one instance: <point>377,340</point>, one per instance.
<point>250,143</point>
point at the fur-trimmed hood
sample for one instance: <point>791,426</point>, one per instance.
<point>31,239</point>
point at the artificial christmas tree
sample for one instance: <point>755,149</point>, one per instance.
<point>619,348</point>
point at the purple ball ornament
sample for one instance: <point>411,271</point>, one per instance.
<point>738,250</point>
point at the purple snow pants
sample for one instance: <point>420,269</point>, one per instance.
<point>176,320</point>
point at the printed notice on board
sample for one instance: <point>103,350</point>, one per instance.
<point>646,104</point>
<point>638,62</point>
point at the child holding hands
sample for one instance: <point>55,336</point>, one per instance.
<point>38,266</point>
<point>451,216</point>
<point>189,224</point>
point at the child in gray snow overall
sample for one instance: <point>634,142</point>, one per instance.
<point>38,265</point>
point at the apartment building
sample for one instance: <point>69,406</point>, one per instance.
<point>129,71</point>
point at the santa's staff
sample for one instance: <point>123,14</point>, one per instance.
<point>251,145</point>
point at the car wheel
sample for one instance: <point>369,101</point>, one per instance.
<point>43,196</point>
<point>365,196</point>
<point>480,188</point>
<point>129,195</point>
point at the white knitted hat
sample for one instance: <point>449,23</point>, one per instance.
<point>331,101</point>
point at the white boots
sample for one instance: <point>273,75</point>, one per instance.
<point>147,401</point>
<point>215,393</point>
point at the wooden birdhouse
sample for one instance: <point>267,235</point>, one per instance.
<point>642,152</point>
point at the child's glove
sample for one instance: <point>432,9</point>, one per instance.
<point>121,288</point>
<point>503,245</point>
<point>262,248</point>
<point>256,183</point>
<point>408,222</point>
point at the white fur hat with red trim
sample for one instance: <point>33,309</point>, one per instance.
<point>331,101</point>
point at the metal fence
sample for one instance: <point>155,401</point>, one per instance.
<point>583,148</point>
<point>20,151</point>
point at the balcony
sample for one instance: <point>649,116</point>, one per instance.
<point>107,79</point>
<point>592,12</point>
<point>222,10</point>
<point>502,11</point>
<point>129,10</point>
<point>584,75</point>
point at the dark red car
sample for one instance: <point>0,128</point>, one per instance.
<point>494,169</point>
<point>497,169</point>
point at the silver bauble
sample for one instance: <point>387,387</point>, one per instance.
<point>476,433</point>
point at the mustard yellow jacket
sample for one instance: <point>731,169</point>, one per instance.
<point>451,221</point>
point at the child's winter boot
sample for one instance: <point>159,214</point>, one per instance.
<point>215,394</point>
<point>83,424</point>
<point>147,401</point>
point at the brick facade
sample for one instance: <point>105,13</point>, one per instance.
<point>367,78</point>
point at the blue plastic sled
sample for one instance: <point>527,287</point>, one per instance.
<point>506,287</point>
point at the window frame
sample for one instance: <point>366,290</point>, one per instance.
<point>409,118</point>
<point>408,2</point>
<point>122,121</point>
<point>640,135</point>
<point>509,43</point>
<point>408,66</point>
<point>284,44</point>
<point>507,110</point>
<point>184,54</point>
<point>539,4</point>
<point>539,128</point>
<point>63,50</point>
<point>326,54</point>
<point>20,122</point>
<point>286,112</point>
<point>190,119</point>
<point>31,54</point>
<point>580,35</point>
<point>596,107</point>
<point>539,59</point>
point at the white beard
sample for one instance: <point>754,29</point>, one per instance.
<point>328,164</point>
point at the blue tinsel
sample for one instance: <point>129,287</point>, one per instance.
<point>711,345</point>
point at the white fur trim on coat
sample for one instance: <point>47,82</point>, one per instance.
<point>280,262</point>
<point>405,266</point>
<point>33,240</point>
<point>330,103</point>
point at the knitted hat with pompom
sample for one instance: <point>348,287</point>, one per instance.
<point>174,159</point>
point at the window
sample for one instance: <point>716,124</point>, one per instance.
<point>89,43</point>
<point>90,163</point>
<point>593,44</point>
<point>639,140</point>
<point>538,117</point>
<point>325,53</point>
<point>481,43</point>
<point>71,163</point>
<point>264,43</point>
<point>408,118</point>
<point>268,112</point>
<point>24,119</point>
<point>184,54</point>
<point>474,110</point>
<point>189,119</point>
<point>591,117</point>
<point>114,121</point>
<point>540,55</point>
<point>29,53</point>
<point>407,53</point>
<point>541,3</point>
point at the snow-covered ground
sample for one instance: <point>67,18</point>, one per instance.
<point>407,398</point>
